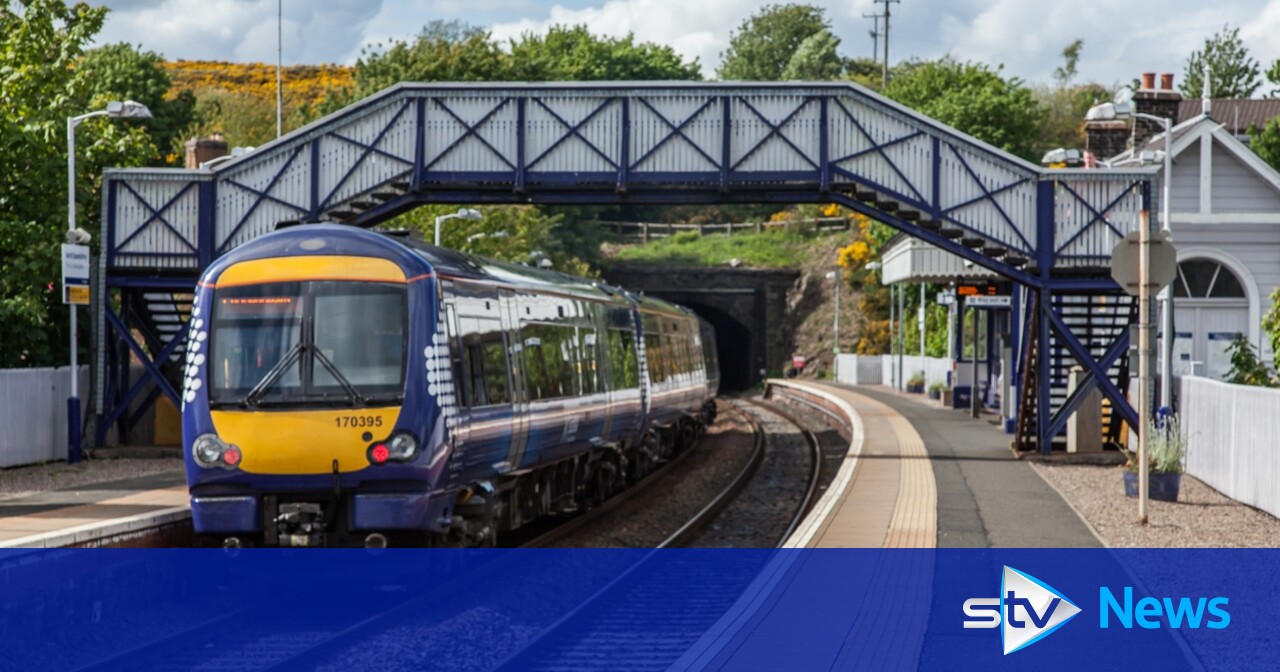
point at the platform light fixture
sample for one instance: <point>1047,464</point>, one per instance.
<point>464,213</point>
<point>116,109</point>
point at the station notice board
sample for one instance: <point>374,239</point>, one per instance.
<point>75,275</point>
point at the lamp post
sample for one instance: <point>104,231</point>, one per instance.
<point>116,110</point>
<point>835,276</point>
<point>1111,111</point>
<point>464,213</point>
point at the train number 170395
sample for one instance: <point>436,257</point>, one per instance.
<point>358,421</point>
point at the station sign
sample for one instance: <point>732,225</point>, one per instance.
<point>988,301</point>
<point>75,275</point>
<point>946,298</point>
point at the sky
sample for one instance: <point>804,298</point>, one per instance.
<point>1122,38</point>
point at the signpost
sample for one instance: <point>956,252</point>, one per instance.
<point>75,275</point>
<point>1141,264</point>
<point>983,301</point>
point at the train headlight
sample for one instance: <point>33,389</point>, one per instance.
<point>402,447</point>
<point>210,452</point>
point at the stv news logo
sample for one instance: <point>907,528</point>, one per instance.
<point>1027,610</point>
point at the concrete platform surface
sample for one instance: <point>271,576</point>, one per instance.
<point>88,513</point>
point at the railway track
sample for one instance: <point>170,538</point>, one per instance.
<point>631,623</point>
<point>602,631</point>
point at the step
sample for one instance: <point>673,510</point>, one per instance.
<point>865,196</point>
<point>886,205</point>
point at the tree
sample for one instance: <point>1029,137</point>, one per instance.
<point>1233,72</point>
<point>122,72</point>
<point>764,43</point>
<point>572,53</point>
<point>1065,104</point>
<point>974,99</point>
<point>816,59</point>
<point>43,42</point>
<point>1265,142</point>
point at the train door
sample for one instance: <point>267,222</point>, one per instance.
<point>519,390</point>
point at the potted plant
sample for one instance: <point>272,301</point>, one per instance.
<point>945,393</point>
<point>935,391</point>
<point>1166,448</point>
<point>915,384</point>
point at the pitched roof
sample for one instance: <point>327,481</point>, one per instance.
<point>1237,115</point>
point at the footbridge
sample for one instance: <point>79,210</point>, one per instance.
<point>1051,231</point>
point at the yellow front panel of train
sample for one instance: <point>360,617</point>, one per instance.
<point>304,442</point>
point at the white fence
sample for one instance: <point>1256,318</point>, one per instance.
<point>33,414</point>
<point>883,369</point>
<point>1232,440</point>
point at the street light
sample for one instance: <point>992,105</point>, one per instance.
<point>117,110</point>
<point>1124,111</point>
<point>464,213</point>
<point>835,275</point>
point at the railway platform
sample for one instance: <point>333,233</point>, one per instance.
<point>917,476</point>
<point>94,514</point>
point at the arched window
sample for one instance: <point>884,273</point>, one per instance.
<point>1206,279</point>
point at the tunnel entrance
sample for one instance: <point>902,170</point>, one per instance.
<point>734,345</point>
<point>747,307</point>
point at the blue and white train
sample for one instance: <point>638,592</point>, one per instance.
<point>346,387</point>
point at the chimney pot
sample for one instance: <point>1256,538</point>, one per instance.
<point>1166,81</point>
<point>1148,80</point>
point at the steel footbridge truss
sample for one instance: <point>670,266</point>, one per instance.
<point>1051,231</point>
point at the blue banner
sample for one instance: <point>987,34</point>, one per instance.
<point>730,609</point>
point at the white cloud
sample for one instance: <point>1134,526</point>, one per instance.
<point>1122,37</point>
<point>240,30</point>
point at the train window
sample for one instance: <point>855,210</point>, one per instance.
<point>551,355</point>
<point>484,362</point>
<point>622,360</point>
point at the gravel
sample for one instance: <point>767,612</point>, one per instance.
<point>652,515</point>
<point>20,481</point>
<point>1201,518</point>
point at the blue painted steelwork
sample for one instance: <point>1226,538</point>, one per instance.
<point>647,142</point>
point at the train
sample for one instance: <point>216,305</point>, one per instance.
<point>348,387</point>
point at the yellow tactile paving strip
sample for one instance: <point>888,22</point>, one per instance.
<point>69,525</point>
<point>890,499</point>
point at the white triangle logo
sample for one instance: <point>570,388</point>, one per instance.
<point>1030,609</point>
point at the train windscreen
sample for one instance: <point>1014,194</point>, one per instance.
<point>307,343</point>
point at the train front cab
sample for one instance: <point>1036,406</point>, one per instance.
<point>304,421</point>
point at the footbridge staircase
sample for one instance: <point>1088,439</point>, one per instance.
<point>1051,231</point>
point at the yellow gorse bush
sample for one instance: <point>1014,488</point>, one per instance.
<point>303,84</point>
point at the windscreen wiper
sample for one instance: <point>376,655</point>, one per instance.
<point>352,395</point>
<point>255,395</point>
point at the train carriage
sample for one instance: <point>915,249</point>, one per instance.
<point>345,387</point>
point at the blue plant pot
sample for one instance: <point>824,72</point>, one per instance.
<point>1161,486</point>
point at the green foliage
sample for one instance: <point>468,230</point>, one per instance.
<point>40,85</point>
<point>1246,367</point>
<point>521,234</point>
<point>122,72</point>
<point>816,59</point>
<point>244,119</point>
<point>452,51</point>
<point>1265,142</point>
<point>864,71</point>
<point>1166,446</point>
<point>775,247</point>
<point>1271,325</point>
<point>974,99</point>
<point>1234,73</point>
<point>764,44</point>
<point>573,54</point>
<point>1070,58</point>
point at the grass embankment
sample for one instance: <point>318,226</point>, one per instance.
<point>775,247</point>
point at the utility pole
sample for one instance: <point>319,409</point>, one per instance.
<point>886,4</point>
<point>279,67</point>
<point>875,34</point>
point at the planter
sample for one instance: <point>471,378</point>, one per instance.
<point>1161,486</point>
<point>946,398</point>
<point>915,389</point>
<point>935,394</point>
